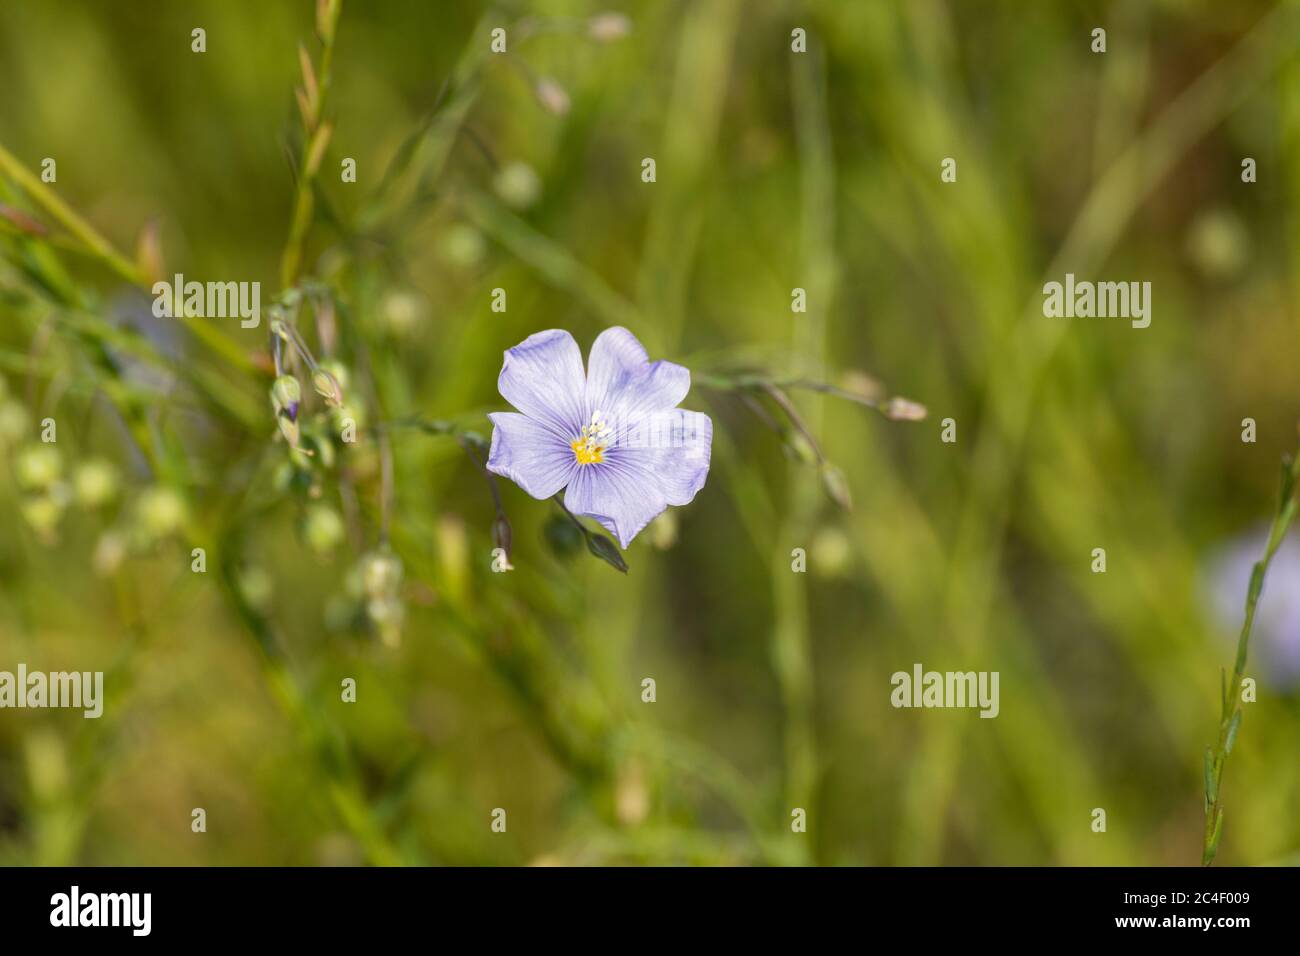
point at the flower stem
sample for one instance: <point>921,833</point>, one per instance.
<point>98,247</point>
<point>1230,713</point>
<point>316,139</point>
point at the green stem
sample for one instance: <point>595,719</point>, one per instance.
<point>40,193</point>
<point>1230,706</point>
<point>309,161</point>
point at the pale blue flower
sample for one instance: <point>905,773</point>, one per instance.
<point>1275,640</point>
<point>613,437</point>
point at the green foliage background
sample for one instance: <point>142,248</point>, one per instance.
<point>522,690</point>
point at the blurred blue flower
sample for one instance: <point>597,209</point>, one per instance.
<point>1275,639</point>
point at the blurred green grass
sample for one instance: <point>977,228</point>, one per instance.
<point>774,171</point>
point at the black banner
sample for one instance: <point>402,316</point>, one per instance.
<point>544,904</point>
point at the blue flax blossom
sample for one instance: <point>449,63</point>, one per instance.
<point>611,437</point>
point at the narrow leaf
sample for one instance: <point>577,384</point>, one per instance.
<point>1232,733</point>
<point>1212,848</point>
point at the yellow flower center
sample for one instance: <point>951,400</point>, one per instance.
<point>589,448</point>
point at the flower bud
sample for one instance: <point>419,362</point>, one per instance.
<point>904,410</point>
<point>327,387</point>
<point>286,394</point>
<point>606,550</point>
<point>607,27</point>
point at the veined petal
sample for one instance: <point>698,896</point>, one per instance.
<point>623,383</point>
<point>530,454</point>
<point>683,465</point>
<point>674,447</point>
<point>623,499</point>
<point>542,377</point>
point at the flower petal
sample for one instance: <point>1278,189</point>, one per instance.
<point>542,377</point>
<point>622,383</point>
<point>622,498</point>
<point>529,454</point>
<point>674,447</point>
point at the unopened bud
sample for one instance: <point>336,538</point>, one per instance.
<point>904,410</point>
<point>607,27</point>
<point>286,394</point>
<point>606,550</point>
<point>327,387</point>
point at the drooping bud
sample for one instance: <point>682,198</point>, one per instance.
<point>286,395</point>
